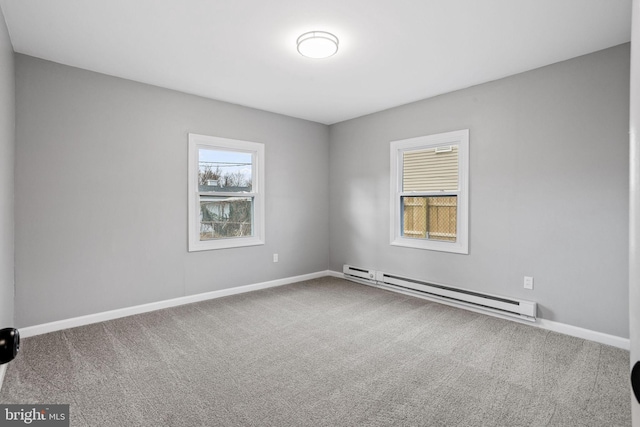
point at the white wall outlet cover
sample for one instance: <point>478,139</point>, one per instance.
<point>528,282</point>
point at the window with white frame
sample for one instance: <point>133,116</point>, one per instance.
<point>430,192</point>
<point>226,193</point>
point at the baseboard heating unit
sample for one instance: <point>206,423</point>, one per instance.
<point>476,301</point>
<point>359,275</point>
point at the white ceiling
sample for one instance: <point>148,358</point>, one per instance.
<point>243,51</point>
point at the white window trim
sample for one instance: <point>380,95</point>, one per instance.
<point>461,138</point>
<point>202,141</point>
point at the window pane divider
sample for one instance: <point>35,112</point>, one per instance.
<point>429,193</point>
<point>224,194</point>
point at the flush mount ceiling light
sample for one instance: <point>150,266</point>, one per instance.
<point>317,44</point>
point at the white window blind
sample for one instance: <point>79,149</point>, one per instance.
<point>430,170</point>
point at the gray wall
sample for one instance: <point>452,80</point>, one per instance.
<point>7,161</point>
<point>549,189</point>
<point>634,202</point>
<point>101,194</point>
<point>101,202</point>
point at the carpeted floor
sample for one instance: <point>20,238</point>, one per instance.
<point>326,352</point>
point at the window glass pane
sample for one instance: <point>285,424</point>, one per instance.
<point>222,170</point>
<point>224,217</point>
<point>430,169</point>
<point>433,217</point>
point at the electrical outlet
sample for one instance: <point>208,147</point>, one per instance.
<point>275,257</point>
<point>528,282</point>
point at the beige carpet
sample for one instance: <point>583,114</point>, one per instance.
<point>325,352</point>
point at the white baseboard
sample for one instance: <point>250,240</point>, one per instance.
<point>338,274</point>
<point>3,369</point>
<point>587,334</point>
<point>575,331</point>
<point>562,328</point>
<point>144,308</point>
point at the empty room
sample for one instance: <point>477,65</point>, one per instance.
<point>338,213</point>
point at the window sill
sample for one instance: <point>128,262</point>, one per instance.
<point>210,245</point>
<point>431,245</point>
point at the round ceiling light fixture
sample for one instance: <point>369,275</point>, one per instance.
<point>317,44</point>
